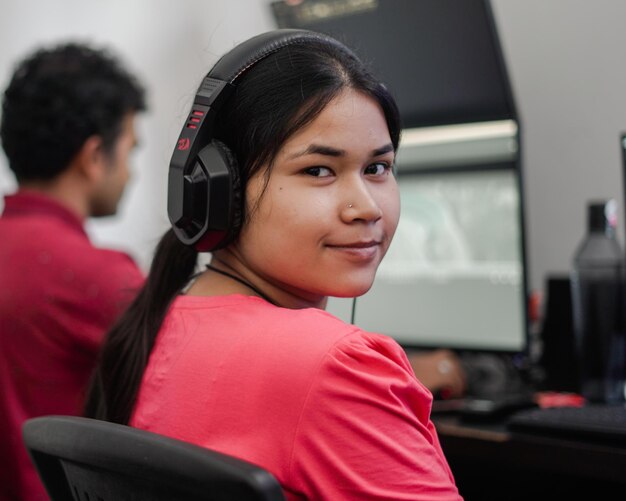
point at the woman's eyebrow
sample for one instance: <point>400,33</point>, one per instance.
<point>383,149</point>
<point>320,149</point>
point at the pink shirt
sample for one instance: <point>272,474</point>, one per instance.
<point>58,295</point>
<point>332,411</point>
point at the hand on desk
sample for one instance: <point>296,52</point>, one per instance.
<point>440,371</point>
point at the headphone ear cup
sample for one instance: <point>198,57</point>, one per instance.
<point>236,196</point>
<point>210,202</point>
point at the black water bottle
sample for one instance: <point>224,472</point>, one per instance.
<point>598,307</point>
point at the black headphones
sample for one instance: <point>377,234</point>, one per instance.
<point>204,202</point>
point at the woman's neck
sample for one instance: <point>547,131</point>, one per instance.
<point>228,274</point>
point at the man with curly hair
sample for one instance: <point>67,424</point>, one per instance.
<point>67,129</point>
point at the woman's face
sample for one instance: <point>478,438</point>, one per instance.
<point>327,216</point>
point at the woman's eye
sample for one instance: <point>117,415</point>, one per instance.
<point>377,169</point>
<point>318,171</point>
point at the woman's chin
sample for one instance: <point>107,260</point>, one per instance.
<point>353,290</point>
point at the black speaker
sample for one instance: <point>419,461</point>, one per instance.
<point>205,203</point>
<point>558,359</point>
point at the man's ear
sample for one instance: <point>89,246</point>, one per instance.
<point>90,159</point>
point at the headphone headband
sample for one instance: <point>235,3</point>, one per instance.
<point>246,54</point>
<point>200,182</point>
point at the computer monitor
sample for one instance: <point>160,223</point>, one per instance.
<point>455,274</point>
<point>440,58</point>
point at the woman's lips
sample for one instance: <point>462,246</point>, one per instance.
<point>362,251</point>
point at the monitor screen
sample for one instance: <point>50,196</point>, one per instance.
<point>453,275</point>
<point>441,59</point>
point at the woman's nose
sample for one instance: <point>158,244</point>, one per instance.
<point>360,204</point>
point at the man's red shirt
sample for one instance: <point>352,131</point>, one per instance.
<point>58,296</point>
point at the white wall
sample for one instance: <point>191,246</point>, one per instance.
<point>566,61</point>
<point>564,57</point>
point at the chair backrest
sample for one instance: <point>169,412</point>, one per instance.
<point>86,459</point>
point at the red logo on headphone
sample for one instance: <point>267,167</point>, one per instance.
<point>183,143</point>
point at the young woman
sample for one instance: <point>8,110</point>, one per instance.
<point>242,358</point>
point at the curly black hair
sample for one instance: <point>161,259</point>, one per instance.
<point>57,98</point>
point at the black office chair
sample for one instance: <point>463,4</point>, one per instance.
<point>89,460</point>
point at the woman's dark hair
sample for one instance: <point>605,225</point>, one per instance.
<point>57,98</point>
<point>275,98</point>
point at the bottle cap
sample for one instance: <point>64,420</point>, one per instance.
<point>602,216</point>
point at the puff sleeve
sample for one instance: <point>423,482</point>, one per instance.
<point>366,425</point>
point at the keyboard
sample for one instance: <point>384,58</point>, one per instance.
<point>601,422</point>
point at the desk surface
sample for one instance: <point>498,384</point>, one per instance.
<point>490,462</point>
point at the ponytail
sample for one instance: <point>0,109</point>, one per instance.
<point>124,356</point>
